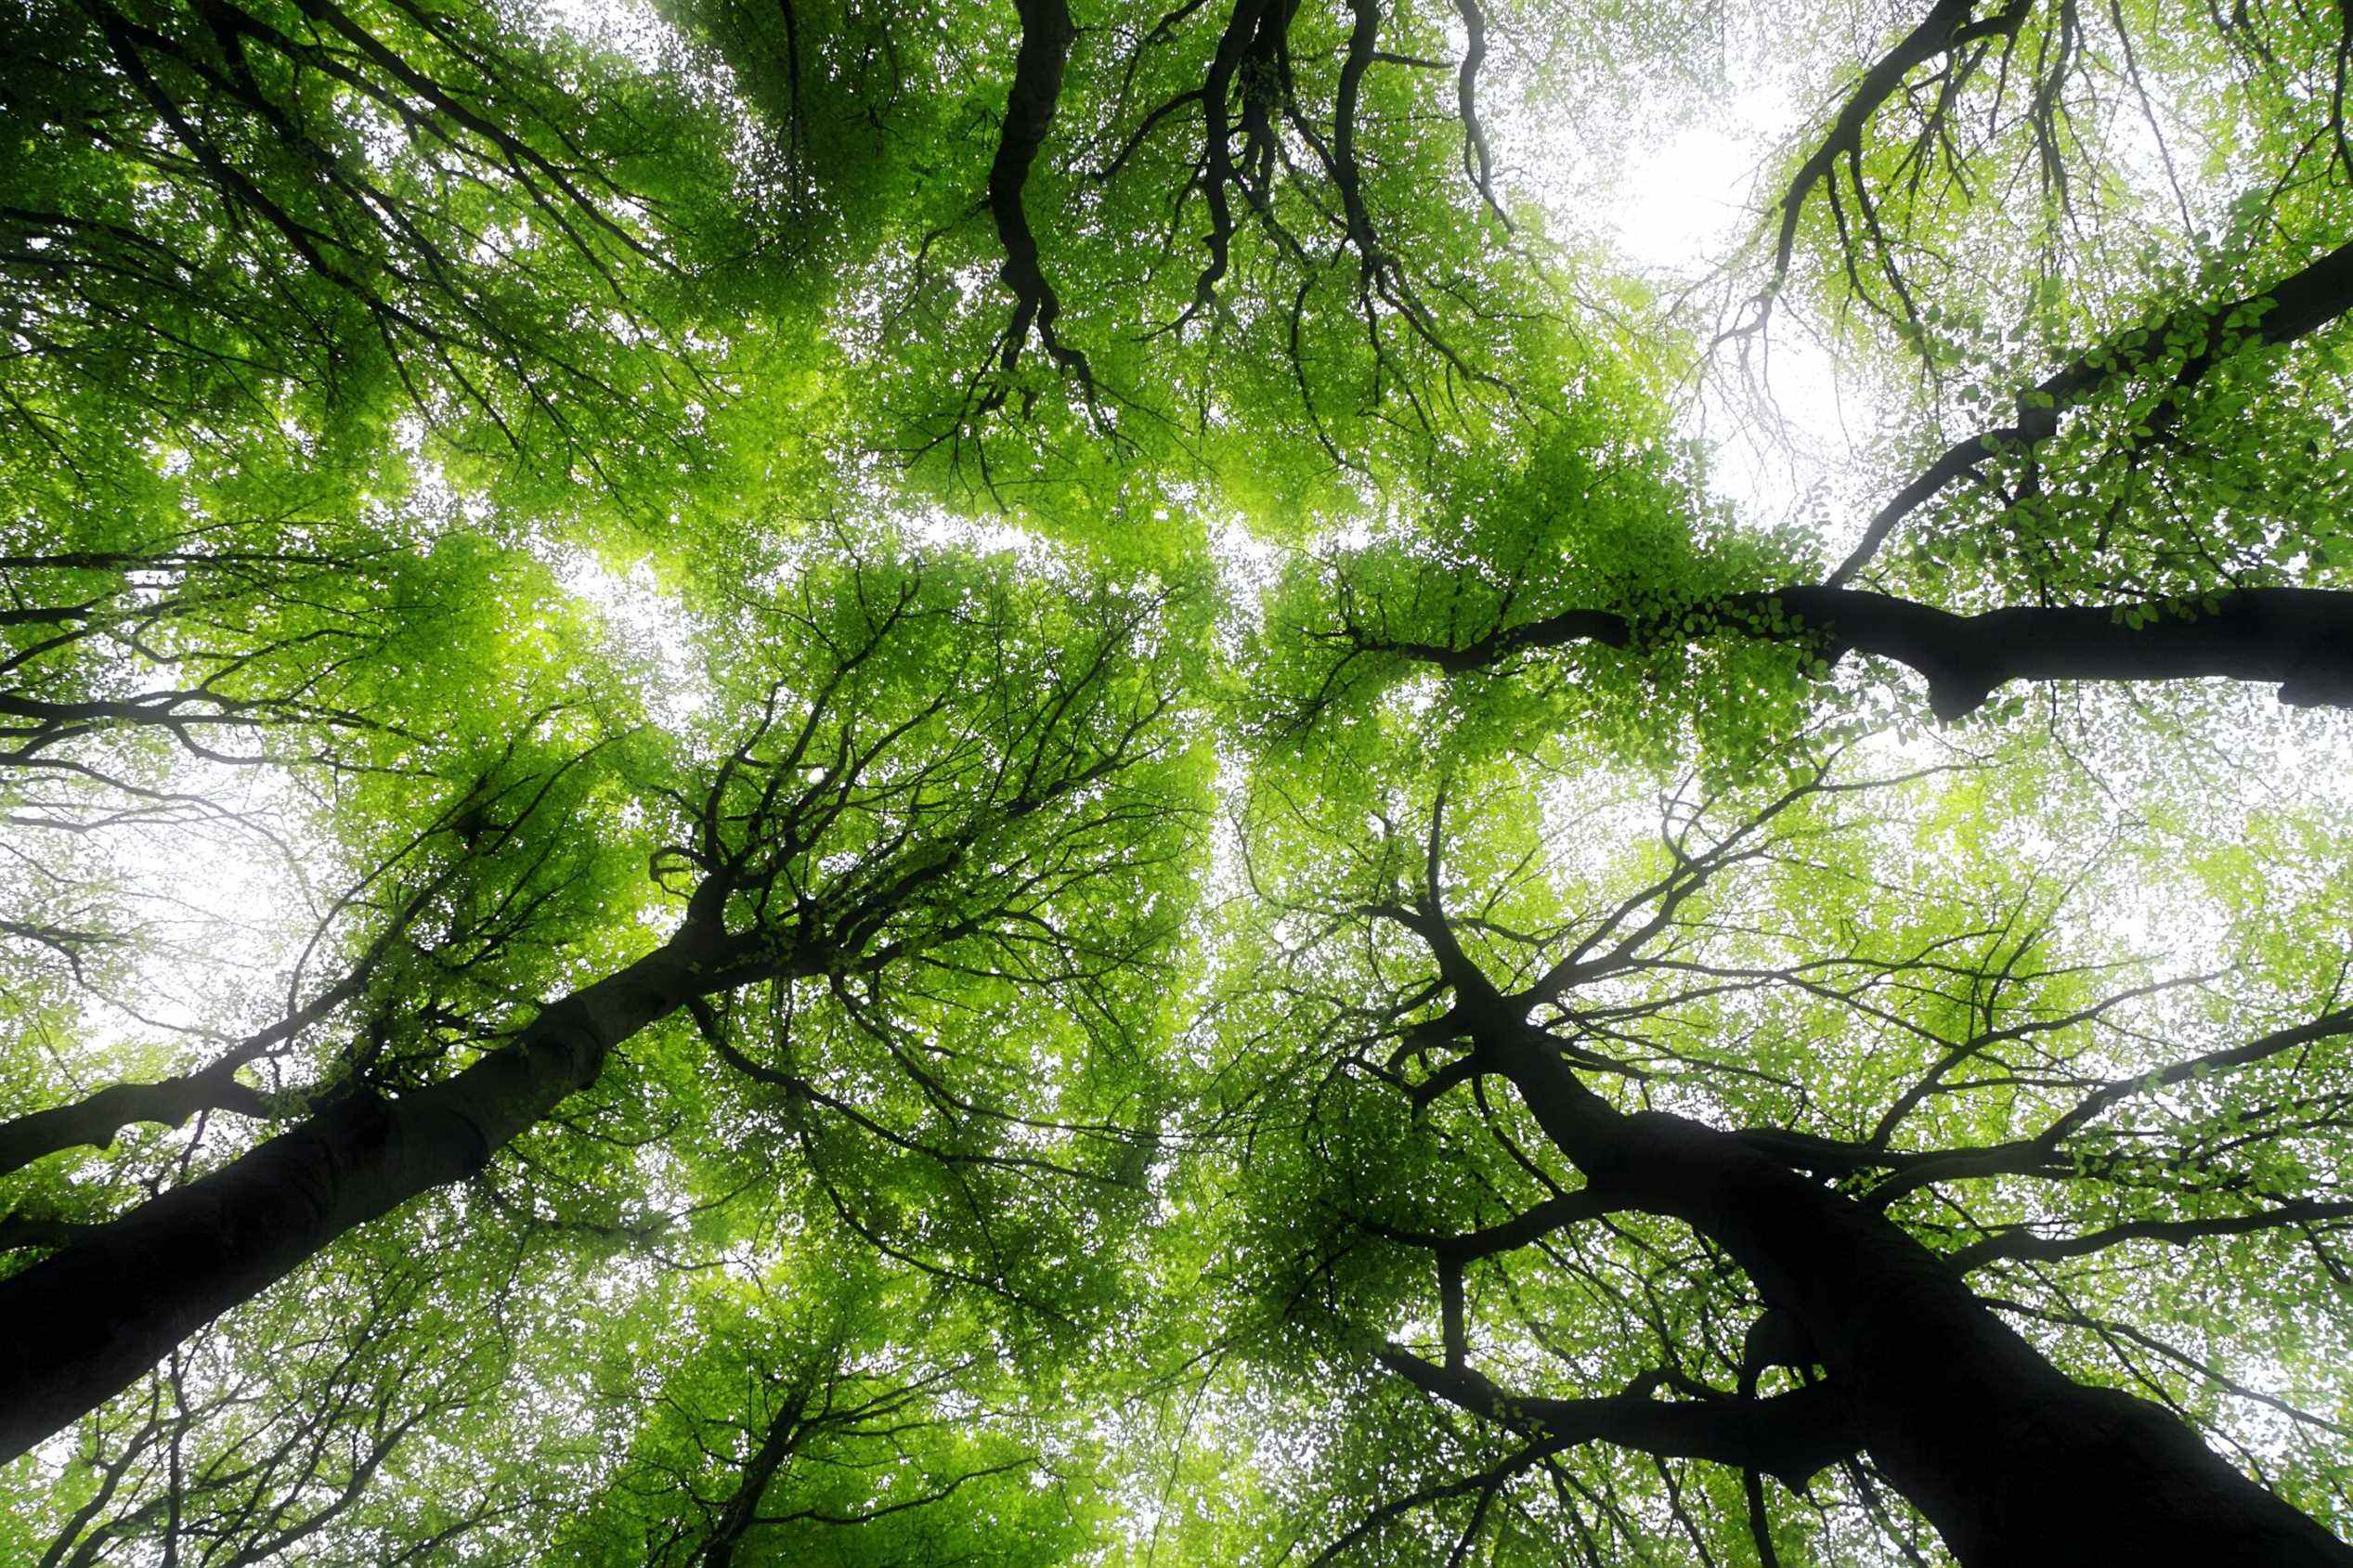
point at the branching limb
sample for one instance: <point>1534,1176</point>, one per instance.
<point>2023,1244</point>
<point>2292,308</point>
<point>1029,107</point>
<point>1788,1435</point>
<point>2300,638</point>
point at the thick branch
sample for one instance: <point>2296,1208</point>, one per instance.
<point>81,1325</point>
<point>1937,33</point>
<point>1789,1435</point>
<point>1029,106</point>
<point>95,1119</point>
<point>2012,1460</point>
<point>1532,1224</point>
<point>2300,638</point>
<point>2025,1244</point>
<point>2328,1026</point>
<point>784,1433</point>
<point>1478,158</point>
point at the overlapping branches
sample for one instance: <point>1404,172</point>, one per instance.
<point>1641,991</point>
<point>878,834</point>
<point>2186,344</point>
<point>250,643</point>
<point>969,840</point>
<point>233,1460</point>
<point>1954,33</point>
<point>825,1414</point>
<point>406,919</point>
<point>274,129</point>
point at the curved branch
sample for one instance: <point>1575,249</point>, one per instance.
<point>2025,1244</point>
<point>2039,1155</point>
<point>2328,1026</point>
<point>1533,1224</point>
<point>1788,1435</point>
<point>95,1119</point>
<point>1029,107</point>
<point>1478,158</point>
<point>1941,30</point>
<point>2294,307</point>
<point>1483,1483</point>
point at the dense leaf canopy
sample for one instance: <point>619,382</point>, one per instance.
<point>1056,783</point>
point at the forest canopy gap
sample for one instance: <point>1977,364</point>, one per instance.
<point>903,782</point>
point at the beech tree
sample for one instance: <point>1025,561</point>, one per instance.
<point>1049,784</point>
<point>1723,1151</point>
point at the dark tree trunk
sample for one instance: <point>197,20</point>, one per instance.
<point>742,1510</point>
<point>2013,1462</point>
<point>1029,106</point>
<point>79,1328</point>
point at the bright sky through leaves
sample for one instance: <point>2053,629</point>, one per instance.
<point>1044,783</point>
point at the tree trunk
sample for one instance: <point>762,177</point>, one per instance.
<point>2014,1463</point>
<point>79,1328</point>
<point>742,1510</point>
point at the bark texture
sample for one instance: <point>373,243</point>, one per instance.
<point>2300,638</point>
<point>2014,1463</point>
<point>79,1328</point>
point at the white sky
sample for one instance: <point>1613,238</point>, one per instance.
<point>1776,425</point>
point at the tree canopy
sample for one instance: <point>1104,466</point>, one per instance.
<point>1057,783</point>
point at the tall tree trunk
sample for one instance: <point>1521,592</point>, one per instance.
<point>2012,1462</point>
<point>79,1328</point>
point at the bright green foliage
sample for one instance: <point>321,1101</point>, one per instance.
<point>1903,920</point>
<point>486,488</point>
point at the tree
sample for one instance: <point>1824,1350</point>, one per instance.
<point>941,791</point>
<point>1685,1060</point>
<point>880,782</point>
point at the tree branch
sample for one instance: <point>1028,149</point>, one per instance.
<point>2295,307</point>
<point>1788,1435</point>
<point>2301,638</point>
<point>2025,1244</point>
